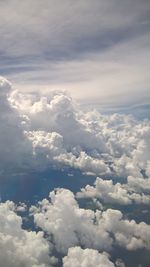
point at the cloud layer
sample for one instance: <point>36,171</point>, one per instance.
<point>40,133</point>
<point>98,51</point>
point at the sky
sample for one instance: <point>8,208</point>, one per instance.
<point>98,51</point>
<point>74,133</point>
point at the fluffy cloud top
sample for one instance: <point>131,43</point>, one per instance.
<point>87,140</point>
<point>118,193</point>
<point>78,257</point>
<point>105,46</point>
<point>19,247</point>
<point>43,132</point>
<point>70,225</point>
<point>37,131</point>
<point>67,226</point>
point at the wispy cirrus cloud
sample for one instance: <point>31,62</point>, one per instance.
<point>97,49</point>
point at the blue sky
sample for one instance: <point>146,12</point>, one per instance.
<point>96,50</point>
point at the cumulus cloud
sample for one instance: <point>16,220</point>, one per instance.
<point>70,225</point>
<point>124,194</point>
<point>43,132</point>
<point>19,247</point>
<point>14,146</point>
<point>78,257</point>
<point>67,226</point>
<point>58,114</point>
<point>126,233</point>
<point>139,184</point>
<point>92,142</point>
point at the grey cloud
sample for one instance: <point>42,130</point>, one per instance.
<point>38,26</point>
<point>40,132</point>
<point>51,42</point>
<point>12,139</point>
<point>77,257</point>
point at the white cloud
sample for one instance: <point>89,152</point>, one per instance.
<point>70,225</point>
<point>42,132</point>
<point>126,233</point>
<point>124,194</point>
<point>19,247</point>
<point>54,130</point>
<point>78,257</point>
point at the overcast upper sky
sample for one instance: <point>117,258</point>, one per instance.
<point>97,50</point>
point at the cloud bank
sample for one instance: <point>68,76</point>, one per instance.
<point>41,133</point>
<point>55,129</point>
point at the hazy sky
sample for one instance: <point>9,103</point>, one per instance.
<point>97,50</point>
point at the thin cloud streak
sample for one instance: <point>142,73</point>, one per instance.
<point>96,51</point>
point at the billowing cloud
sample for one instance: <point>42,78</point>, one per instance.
<point>44,132</point>
<point>78,257</point>
<point>98,230</point>
<point>62,211</point>
<point>40,131</point>
<point>124,194</point>
<point>19,247</point>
